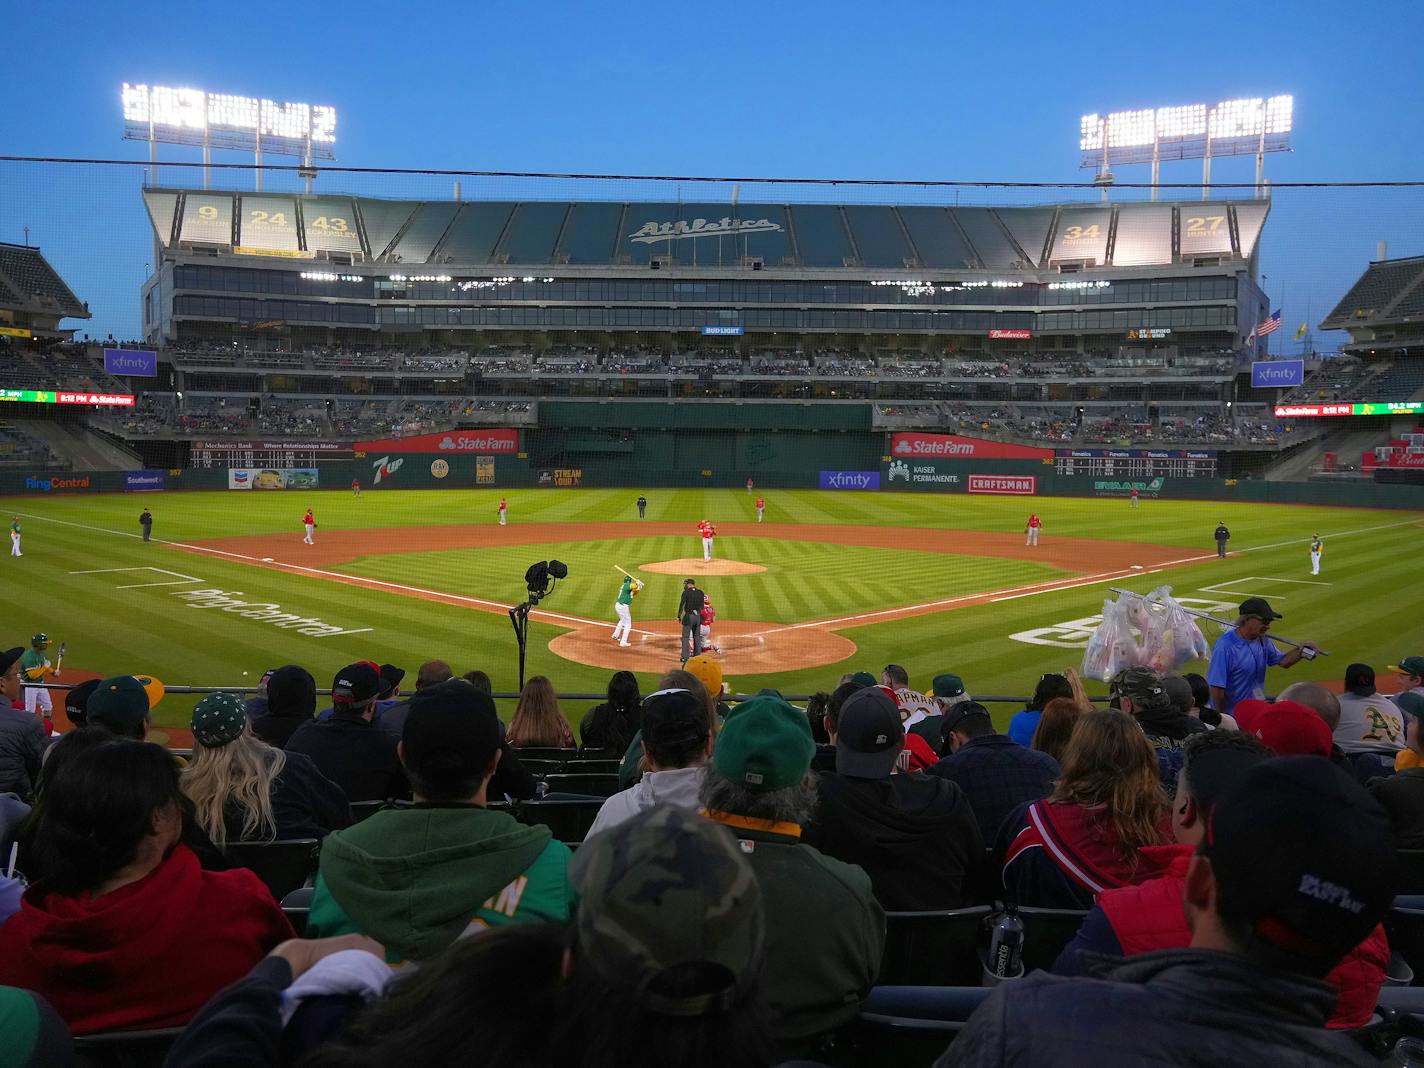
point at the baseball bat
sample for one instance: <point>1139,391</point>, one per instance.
<point>617,568</point>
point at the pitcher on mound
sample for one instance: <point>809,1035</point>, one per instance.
<point>707,532</point>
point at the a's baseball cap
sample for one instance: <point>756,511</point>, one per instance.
<point>1258,607</point>
<point>9,656</point>
<point>1304,856</point>
<point>390,676</point>
<point>450,732</point>
<point>1360,679</point>
<point>863,678</point>
<point>119,703</point>
<point>264,680</point>
<point>218,719</point>
<point>1143,685</point>
<point>1179,692</point>
<point>869,735</point>
<point>962,711</point>
<point>76,701</point>
<point>1291,729</point>
<point>766,745</point>
<point>1410,702</point>
<point>40,639</point>
<point>947,686</point>
<point>1409,665</point>
<point>153,688</point>
<point>707,671</point>
<point>291,691</point>
<point>663,891</point>
<point>356,683</point>
<point>673,719</point>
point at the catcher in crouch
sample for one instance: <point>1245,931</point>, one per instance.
<point>624,607</point>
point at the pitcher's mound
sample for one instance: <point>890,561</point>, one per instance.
<point>694,565</point>
<point>745,648</point>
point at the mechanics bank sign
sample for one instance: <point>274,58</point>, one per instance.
<point>850,480</point>
<point>652,232</point>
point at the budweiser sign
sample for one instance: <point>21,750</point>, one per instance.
<point>482,440</point>
<point>1010,335</point>
<point>910,444</point>
<point>1004,485</point>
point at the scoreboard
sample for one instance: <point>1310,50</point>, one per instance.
<point>275,454</point>
<point>1136,463</point>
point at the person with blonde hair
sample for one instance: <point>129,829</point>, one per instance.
<point>244,790</point>
<point>1088,835</point>
<point>538,719</point>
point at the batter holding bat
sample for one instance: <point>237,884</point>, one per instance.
<point>624,607</point>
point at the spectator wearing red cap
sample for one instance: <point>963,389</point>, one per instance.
<point>1294,870</point>
<point>1148,916</point>
<point>349,748</point>
<point>1287,728</point>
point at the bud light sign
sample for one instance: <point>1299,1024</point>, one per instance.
<point>139,362</point>
<point>850,480</point>
<point>1277,374</point>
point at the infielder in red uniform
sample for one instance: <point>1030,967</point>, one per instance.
<point>1031,530</point>
<point>760,507</point>
<point>502,507</point>
<point>707,532</point>
<point>309,523</point>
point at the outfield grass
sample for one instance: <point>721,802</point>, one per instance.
<point>1365,613</point>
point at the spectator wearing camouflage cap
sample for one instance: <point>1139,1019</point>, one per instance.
<point>913,834</point>
<point>349,749</point>
<point>677,740</point>
<point>1139,692</point>
<point>22,737</point>
<point>825,930</point>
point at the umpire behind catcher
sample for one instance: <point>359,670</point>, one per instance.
<point>689,614</point>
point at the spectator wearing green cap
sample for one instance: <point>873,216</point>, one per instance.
<point>1412,755</point>
<point>22,738</point>
<point>1402,794</point>
<point>1410,672</point>
<point>825,930</point>
<point>245,790</point>
<point>946,691</point>
<point>1139,692</point>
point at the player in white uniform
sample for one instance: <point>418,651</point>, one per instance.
<point>1316,548</point>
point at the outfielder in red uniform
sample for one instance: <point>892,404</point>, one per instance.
<point>709,616</point>
<point>707,532</point>
<point>1031,530</point>
<point>749,485</point>
<point>760,507</point>
<point>1134,496</point>
<point>356,487</point>
<point>502,506</point>
<point>309,524</point>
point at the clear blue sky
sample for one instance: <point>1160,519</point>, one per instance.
<point>836,89</point>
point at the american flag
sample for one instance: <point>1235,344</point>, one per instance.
<point>1266,326</point>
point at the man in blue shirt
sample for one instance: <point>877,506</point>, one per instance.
<point>1240,657</point>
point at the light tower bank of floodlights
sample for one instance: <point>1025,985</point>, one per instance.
<point>1191,131</point>
<point>161,114</point>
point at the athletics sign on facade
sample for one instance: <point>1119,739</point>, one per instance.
<point>652,232</point>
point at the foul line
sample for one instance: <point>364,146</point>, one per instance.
<point>986,596</point>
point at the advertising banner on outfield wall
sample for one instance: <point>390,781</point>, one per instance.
<point>1145,487</point>
<point>850,480</point>
<point>922,474</point>
<point>145,481</point>
<point>1004,485</point>
<point>271,478</point>
<point>481,440</point>
<point>911,444</point>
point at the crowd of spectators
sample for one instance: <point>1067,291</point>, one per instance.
<point>1231,861</point>
<point>19,449</point>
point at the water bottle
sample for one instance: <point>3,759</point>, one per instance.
<point>1006,945</point>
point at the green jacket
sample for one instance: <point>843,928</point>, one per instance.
<point>416,878</point>
<point>825,933</point>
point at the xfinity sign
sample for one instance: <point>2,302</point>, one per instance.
<point>139,362</point>
<point>1277,374</point>
<point>850,480</point>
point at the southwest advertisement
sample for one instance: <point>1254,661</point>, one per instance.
<point>270,478</point>
<point>486,440</point>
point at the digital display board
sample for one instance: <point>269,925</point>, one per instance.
<point>48,396</point>
<point>1297,411</point>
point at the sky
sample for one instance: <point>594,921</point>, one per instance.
<point>772,89</point>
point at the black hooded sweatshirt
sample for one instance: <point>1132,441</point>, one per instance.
<point>914,834</point>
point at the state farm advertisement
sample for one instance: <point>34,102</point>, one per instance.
<point>1005,485</point>
<point>481,440</point>
<point>910,444</point>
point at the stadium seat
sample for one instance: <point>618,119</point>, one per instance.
<point>283,865</point>
<point>296,906</point>
<point>599,754</point>
<point>1409,871</point>
<point>124,1049</point>
<point>541,767</point>
<point>1046,933</point>
<point>907,1025</point>
<point>569,820</point>
<point>592,785</point>
<point>1405,927</point>
<point>545,753</point>
<point>938,948</point>
<point>584,766</point>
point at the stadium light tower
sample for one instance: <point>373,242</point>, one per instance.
<point>160,114</point>
<point>1190,131</point>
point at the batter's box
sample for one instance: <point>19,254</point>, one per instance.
<point>1267,580</point>
<point>176,578</point>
